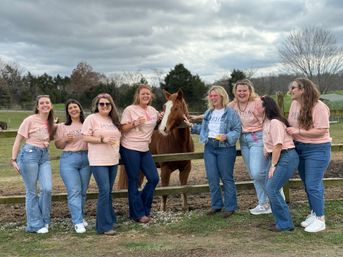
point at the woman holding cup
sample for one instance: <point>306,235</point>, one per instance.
<point>138,123</point>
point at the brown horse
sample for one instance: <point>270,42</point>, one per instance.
<point>172,136</point>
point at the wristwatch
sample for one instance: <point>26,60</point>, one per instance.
<point>273,165</point>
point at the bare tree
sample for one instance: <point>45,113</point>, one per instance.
<point>313,53</point>
<point>84,78</point>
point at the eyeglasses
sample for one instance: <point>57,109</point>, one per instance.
<point>105,104</point>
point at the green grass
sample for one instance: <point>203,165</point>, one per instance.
<point>192,230</point>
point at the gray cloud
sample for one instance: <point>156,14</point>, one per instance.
<point>211,37</point>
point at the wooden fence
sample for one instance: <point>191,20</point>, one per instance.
<point>172,190</point>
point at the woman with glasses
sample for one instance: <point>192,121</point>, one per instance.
<point>219,132</point>
<point>251,141</point>
<point>138,123</point>
<point>33,163</point>
<point>74,165</point>
<point>101,130</point>
<point>282,161</point>
<point>309,119</point>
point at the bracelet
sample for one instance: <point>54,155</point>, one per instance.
<point>13,160</point>
<point>101,139</point>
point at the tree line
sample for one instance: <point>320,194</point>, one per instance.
<point>311,52</point>
<point>19,91</point>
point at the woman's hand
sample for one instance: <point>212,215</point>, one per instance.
<point>140,121</point>
<point>271,171</point>
<point>160,115</point>
<point>14,164</point>
<point>293,131</point>
<point>221,137</point>
<point>195,118</point>
<point>186,121</point>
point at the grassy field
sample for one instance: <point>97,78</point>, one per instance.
<point>182,234</point>
<point>172,233</point>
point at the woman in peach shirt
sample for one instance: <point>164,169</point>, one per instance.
<point>138,121</point>
<point>283,161</point>
<point>74,165</point>
<point>251,140</point>
<point>309,120</point>
<point>101,130</point>
<point>34,165</point>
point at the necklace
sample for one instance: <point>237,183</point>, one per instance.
<point>239,107</point>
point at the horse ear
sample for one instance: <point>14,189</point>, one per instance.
<point>179,94</point>
<point>166,94</point>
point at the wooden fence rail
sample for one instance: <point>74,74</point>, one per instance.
<point>172,190</point>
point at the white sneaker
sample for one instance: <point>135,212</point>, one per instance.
<point>85,223</point>
<point>261,209</point>
<point>316,226</point>
<point>80,228</point>
<point>309,219</point>
<point>43,230</point>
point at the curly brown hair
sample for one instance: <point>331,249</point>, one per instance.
<point>309,98</point>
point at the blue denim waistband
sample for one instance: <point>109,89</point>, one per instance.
<point>81,151</point>
<point>286,150</point>
<point>36,147</point>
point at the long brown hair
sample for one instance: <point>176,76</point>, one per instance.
<point>309,98</point>
<point>68,117</point>
<point>113,113</point>
<point>51,123</point>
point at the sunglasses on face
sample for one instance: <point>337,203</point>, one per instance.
<point>105,104</point>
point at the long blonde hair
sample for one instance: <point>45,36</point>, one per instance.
<point>138,90</point>
<point>220,91</point>
<point>249,84</point>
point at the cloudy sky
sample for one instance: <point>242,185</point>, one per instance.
<point>210,37</point>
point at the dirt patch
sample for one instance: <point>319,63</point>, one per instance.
<point>246,199</point>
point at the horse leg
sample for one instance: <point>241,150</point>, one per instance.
<point>165,178</point>
<point>183,176</point>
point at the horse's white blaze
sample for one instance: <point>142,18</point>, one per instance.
<point>167,111</point>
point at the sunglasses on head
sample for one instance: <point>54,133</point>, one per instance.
<point>105,104</point>
<point>103,95</point>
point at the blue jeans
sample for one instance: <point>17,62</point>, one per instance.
<point>219,164</point>
<point>139,201</point>
<point>105,215</point>
<point>75,173</point>
<point>252,152</point>
<point>35,167</point>
<point>314,160</point>
<point>285,168</point>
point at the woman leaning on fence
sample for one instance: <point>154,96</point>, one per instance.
<point>33,163</point>
<point>309,120</point>
<point>101,130</point>
<point>219,132</point>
